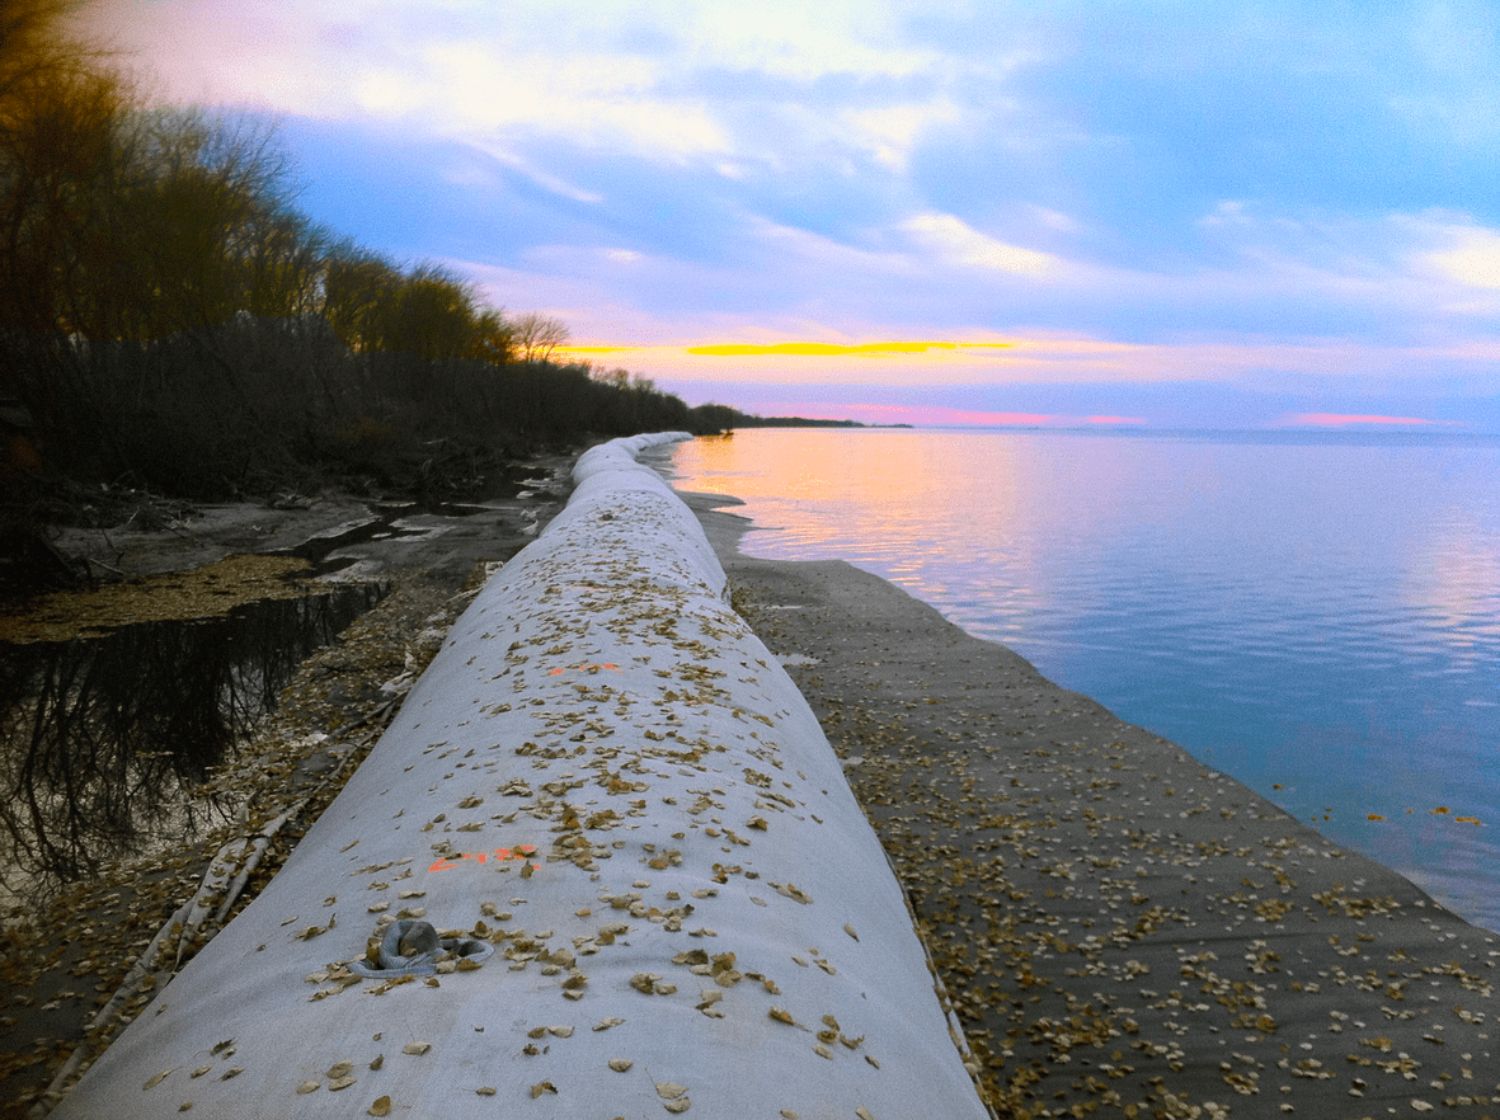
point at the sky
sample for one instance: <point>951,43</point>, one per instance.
<point>1070,213</point>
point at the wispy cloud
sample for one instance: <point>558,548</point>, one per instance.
<point>1361,420</point>
<point>1474,260</point>
<point>954,241</point>
<point>892,132</point>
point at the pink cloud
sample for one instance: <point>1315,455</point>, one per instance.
<point>1114,420</point>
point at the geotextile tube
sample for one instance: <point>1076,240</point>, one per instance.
<point>606,777</point>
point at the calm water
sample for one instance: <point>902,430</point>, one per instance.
<point>1318,616</point>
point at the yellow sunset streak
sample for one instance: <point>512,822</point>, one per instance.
<point>834,349</point>
<point>796,349</point>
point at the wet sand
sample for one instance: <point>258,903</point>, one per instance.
<point>1125,932</point>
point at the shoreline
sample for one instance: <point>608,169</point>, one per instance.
<point>1119,926</point>
<point>602,680</point>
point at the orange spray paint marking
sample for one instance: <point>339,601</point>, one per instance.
<point>446,863</point>
<point>584,667</point>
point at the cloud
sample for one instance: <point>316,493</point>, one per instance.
<point>1226,212</point>
<point>544,179</point>
<point>1474,261</point>
<point>604,101</point>
<point>1054,219</point>
<point>892,132</point>
<point>954,241</point>
<point>1360,420</point>
<point>805,42</point>
<point>1399,277</point>
<point>648,77</point>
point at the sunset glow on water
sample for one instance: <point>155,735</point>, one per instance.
<point>1316,615</point>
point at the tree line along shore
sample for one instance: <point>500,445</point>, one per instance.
<point>171,323</point>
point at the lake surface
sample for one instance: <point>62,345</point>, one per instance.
<point>1315,615</point>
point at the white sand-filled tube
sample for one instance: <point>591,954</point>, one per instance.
<point>605,777</point>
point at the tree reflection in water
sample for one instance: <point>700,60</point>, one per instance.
<point>102,740</point>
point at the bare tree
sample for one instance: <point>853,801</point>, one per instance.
<point>537,336</point>
<point>33,50</point>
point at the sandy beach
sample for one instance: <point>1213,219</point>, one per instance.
<point>1125,931</point>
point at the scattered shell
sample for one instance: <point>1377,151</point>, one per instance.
<point>794,892</point>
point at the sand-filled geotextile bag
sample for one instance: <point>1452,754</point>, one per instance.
<point>603,864</point>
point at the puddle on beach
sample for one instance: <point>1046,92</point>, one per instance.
<point>116,703</point>
<point>212,590</point>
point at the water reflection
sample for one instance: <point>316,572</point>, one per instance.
<point>104,739</point>
<point>1317,616</point>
